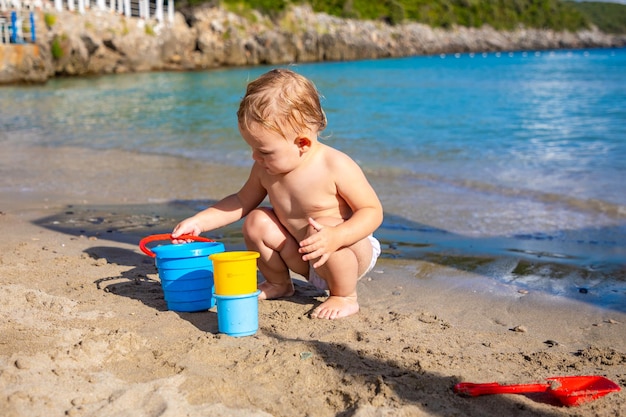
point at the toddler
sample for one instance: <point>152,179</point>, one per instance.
<point>323,210</point>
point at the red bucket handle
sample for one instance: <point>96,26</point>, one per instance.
<point>167,236</point>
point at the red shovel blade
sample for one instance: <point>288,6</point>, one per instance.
<point>569,390</point>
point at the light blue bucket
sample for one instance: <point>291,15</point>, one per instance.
<point>186,273</point>
<point>238,315</point>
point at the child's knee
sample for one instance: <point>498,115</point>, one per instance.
<point>253,221</point>
<point>258,223</point>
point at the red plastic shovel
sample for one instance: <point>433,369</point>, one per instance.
<point>569,390</point>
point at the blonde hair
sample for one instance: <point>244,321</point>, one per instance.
<point>282,98</point>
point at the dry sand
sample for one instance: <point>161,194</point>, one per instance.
<point>85,330</point>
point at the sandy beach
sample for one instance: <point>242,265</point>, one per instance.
<point>86,331</point>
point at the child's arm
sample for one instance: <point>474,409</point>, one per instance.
<point>367,214</point>
<point>226,211</point>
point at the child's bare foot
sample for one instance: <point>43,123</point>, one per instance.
<point>270,290</point>
<point>336,307</point>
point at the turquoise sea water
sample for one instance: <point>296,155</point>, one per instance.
<point>520,154</point>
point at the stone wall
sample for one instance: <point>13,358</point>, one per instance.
<point>99,42</point>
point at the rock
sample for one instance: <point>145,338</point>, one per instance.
<point>23,63</point>
<point>520,329</point>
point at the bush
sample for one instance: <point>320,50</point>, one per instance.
<point>50,19</point>
<point>56,49</point>
<point>499,14</point>
<point>608,17</point>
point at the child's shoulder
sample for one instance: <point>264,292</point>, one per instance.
<point>333,155</point>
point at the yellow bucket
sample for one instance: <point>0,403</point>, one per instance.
<point>234,273</point>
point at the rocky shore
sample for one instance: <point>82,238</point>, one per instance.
<point>98,42</point>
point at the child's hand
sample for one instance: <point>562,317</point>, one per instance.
<point>187,227</point>
<point>319,245</point>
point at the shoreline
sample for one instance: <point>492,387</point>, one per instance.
<point>97,43</point>
<point>123,196</point>
<point>87,332</point>
<point>467,267</point>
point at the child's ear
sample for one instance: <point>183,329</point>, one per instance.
<point>303,143</point>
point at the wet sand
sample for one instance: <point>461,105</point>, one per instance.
<point>86,331</point>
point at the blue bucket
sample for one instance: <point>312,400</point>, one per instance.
<point>238,315</point>
<point>186,273</point>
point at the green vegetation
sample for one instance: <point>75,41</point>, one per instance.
<point>50,19</point>
<point>149,30</point>
<point>56,48</point>
<point>499,14</point>
<point>608,17</point>
<point>243,10</point>
<point>125,30</point>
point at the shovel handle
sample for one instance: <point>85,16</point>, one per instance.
<point>166,236</point>
<point>473,390</point>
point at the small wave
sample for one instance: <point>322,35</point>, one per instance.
<point>543,254</point>
<point>589,205</point>
<point>612,210</point>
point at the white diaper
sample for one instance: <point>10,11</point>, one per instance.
<point>320,283</point>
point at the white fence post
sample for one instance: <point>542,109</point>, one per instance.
<point>159,10</point>
<point>170,10</point>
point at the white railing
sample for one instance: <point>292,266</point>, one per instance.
<point>8,5</point>
<point>143,9</point>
